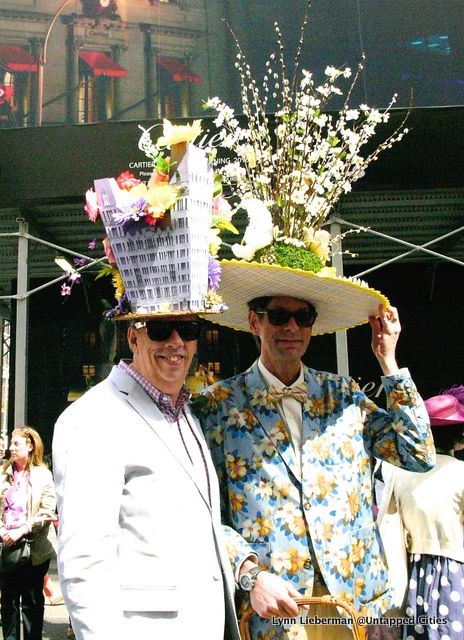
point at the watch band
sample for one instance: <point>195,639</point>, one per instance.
<point>247,580</point>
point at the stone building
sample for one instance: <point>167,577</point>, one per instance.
<point>107,60</point>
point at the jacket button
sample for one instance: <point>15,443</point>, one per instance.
<point>307,564</point>
<point>307,506</point>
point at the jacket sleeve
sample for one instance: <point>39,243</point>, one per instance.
<point>213,417</point>
<point>89,477</point>
<point>400,434</point>
<point>46,505</point>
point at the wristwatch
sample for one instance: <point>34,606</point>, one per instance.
<point>247,580</point>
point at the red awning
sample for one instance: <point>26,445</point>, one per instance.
<point>102,65</point>
<point>15,59</point>
<point>178,70</point>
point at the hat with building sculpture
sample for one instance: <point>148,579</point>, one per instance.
<point>287,173</point>
<point>160,255</point>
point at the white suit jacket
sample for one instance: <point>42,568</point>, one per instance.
<point>139,543</point>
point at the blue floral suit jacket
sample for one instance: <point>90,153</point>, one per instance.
<point>272,510</point>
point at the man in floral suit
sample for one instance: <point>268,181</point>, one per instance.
<point>293,448</point>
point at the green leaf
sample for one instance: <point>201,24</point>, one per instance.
<point>217,187</point>
<point>106,270</point>
<point>162,164</point>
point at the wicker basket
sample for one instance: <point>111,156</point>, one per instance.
<point>357,630</point>
<point>165,267</point>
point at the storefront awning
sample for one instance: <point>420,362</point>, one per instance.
<point>101,64</point>
<point>14,59</point>
<point>178,70</point>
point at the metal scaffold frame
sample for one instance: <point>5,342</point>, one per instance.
<point>22,307</point>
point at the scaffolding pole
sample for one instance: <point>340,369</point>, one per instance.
<point>341,340</point>
<point>22,307</point>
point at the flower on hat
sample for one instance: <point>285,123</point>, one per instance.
<point>161,197</point>
<point>91,207</point>
<point>318,242</point>
<point>174,134</point>
<point>127,180</point>
<point>298,163</point>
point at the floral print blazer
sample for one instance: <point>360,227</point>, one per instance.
<point>273,511</point>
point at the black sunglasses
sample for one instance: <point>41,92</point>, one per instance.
<point>160,330</point>
<point>280,317</point>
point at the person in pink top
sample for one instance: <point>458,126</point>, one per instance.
<point>27,506</point>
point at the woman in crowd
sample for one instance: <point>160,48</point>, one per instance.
<point>458,392</point>
<point>27,506</point>
<point>431,506</point>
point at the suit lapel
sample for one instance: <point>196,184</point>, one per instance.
<point>269,419</point>
<point>147,410</point>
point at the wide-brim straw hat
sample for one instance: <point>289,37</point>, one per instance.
<point>444,410</point>
<point>340,302</point>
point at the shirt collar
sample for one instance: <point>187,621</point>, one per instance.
<point>162,400</point>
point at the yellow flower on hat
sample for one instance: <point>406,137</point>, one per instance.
<point>161,197</point>
<point>176,133</point>
<point>118,284</point>
<point>214,241</point>
<point>318,242</point>
<point>327,272</point>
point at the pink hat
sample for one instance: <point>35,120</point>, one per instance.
<point>444,409</point>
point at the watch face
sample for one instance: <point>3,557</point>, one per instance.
<point>246,582</point>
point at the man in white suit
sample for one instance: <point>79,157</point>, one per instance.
<point>140,551</point>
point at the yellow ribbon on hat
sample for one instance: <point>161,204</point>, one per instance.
<point>298,392</point>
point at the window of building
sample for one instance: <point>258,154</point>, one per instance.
<point>98,73</point>
<point>174,78</point>
<point>16,68</point>
<point>212,338</point>
<point>214,368</point>
<point>95,98</point>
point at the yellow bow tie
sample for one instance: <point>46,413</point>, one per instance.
<point>298,392</point>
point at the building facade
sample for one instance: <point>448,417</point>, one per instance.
<point>126,59</point>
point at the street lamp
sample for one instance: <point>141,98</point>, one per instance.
<point>43,57</point>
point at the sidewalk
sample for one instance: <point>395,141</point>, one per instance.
<point>56,618</point>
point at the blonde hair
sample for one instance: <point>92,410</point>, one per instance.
<point>35,458</point>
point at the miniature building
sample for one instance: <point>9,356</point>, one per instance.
<point>166,268</point>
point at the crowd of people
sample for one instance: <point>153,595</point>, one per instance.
<point>258,492</point>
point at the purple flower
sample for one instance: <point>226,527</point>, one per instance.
<point>80,262</point>
<point>214,273</point>
<point>65,289</point>
<point>121,308</point>
<point>133,211</point>
<point>92,244</point>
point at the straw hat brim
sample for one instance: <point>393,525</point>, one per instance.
<point>341,303</point>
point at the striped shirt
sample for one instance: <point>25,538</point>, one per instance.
<point>162,400</point>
